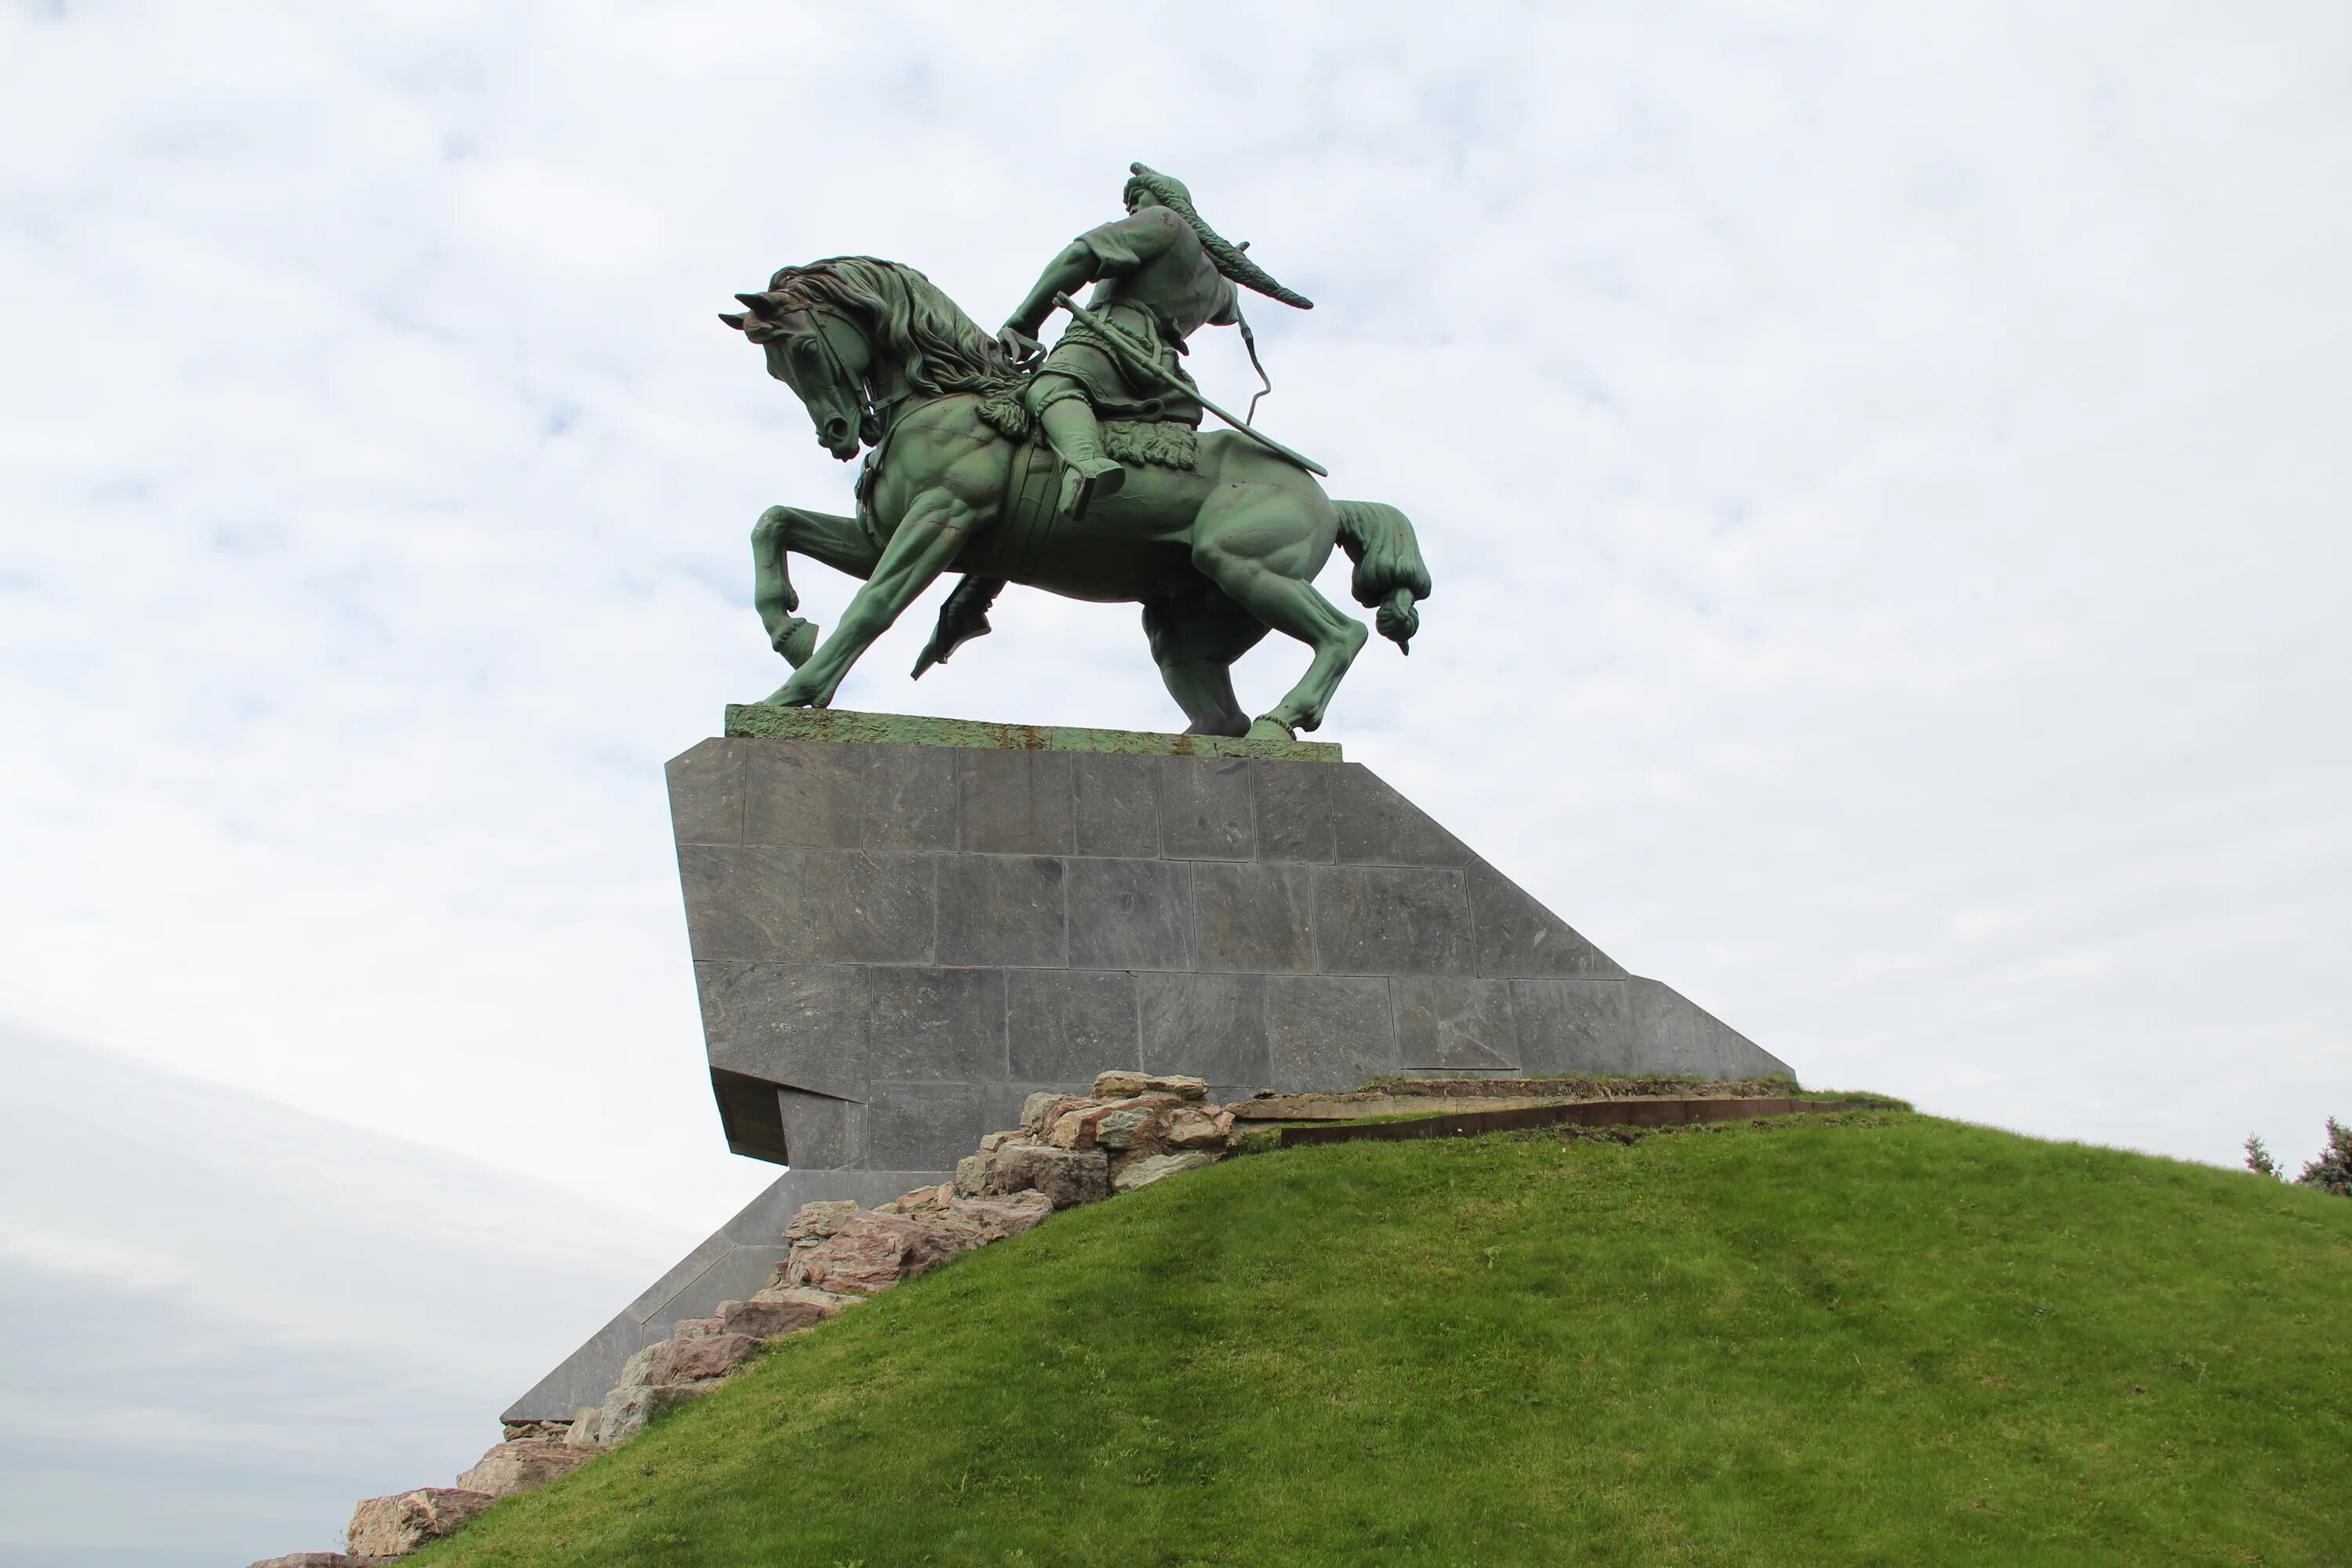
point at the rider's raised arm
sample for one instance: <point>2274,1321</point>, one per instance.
<point>1110,251</point>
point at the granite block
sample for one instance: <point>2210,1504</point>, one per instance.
<point>1063,1026</point>
<point>1571,1027</point>
<point>1254,916</point>
<point>1208,1027</point>
<point>1130,915</point>
<point>1117,806</point>
<point>1678,1035</point>
<point>821,1132</point>
<point>1517,936</point>
<point>917,1124</point>
<point>706,792</point>
<point>909,798</point>
<point>1327,1032</point>
<point>1375,825</point>
<point>1292,801</point>
<point>1390,919</point>
<point>1001,909</point>
<point>1205,812</point>
<point>807,798</point>
<point>814,906</point>
<point>1016,803</point>
<point>934,1025</point>
<point>797,1024</point>
<point>1446,1024</point>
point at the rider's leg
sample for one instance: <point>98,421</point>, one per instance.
<point>1060,404</point>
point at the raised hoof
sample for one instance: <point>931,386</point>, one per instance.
<point>1271,729</point>
<point>798,642</point>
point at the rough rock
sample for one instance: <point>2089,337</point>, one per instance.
<point>1124,1128</point>
<point>697,1360</point>
<point>823,1302</point>
<point>971,1171</point>
<point>523,1464</point>
<point>398,1524</point>
<point>1127,1085</point>
<point>1152,1167</point>
<point>582,1433</point>
<point>1189,1128</point>
<point>631,1404</point>
<point>870,1252</point>
<point>814,1222</point>
<point>320,1559</point>
<point>1042,1109</point>
<point>1067,1176</point>
<point>511,1430</point>
<point>775,1317</point>
<point>696,1328</point>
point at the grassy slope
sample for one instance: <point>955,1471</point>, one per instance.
<point>1876,1338</point>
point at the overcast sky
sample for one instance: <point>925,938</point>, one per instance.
<point>1886,472</point>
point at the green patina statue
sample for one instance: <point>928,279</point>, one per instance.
<point>1082,471</point>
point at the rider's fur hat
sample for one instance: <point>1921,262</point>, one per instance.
<point>1171,193</point>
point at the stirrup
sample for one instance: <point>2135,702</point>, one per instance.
<point>1084,480</point>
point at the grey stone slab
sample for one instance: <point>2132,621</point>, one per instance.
<point>1210,1026</point>
<point>1681,1037</point>
<point>1254,915</point>
<point>1117,806</point>
<point>1454,1025</point>
<point>1001,910</point>
<point>912,1124</point>
<point>1130,915</point>
<point>909,798</point>
<point>934,1025</point>
<point>820,1131</point>
<point>1517,936</point>
<point>1572,1027</point>
<point>1065,1025</point>
<point>706,792</point>
<point>1375,825</point>
<point>807,798</point>
<point>1293,806</point>
<point>797,1024</point>
<point>1326,1032</point>
<point>750,1115</point>
<point>1016,803</point>
<point>1390,919</point>
<point>1205,810</point>
<point>807,905</point>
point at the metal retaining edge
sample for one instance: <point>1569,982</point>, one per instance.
<point>1588,1113</point>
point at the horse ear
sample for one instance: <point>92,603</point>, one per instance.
<point>760,305</point>
<point>735,319</point>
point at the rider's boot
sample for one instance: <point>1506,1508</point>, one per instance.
<point>1087,475</point>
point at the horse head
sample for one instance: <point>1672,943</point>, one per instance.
<point>813,348</point>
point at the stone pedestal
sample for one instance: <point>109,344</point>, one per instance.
<point>902,928</point>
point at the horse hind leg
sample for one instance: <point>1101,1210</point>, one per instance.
<point>838,541</point>
<point>1195,637</point>
<point>1229,552</point>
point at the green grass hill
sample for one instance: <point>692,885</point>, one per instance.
<point>1867,1338</point>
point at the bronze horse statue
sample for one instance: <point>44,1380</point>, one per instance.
<point>1217,553</point>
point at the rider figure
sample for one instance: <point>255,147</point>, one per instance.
<point>1158,274</point>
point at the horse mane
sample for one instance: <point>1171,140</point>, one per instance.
<point>907,317</point>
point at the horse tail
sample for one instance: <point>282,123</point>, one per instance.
<point>1389,572</point>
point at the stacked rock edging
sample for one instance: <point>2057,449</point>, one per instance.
<point>1135,1128</point>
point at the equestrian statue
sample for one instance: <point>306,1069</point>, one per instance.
<point>1082,471</point>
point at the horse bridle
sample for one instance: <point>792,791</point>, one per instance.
<point>873,419</point>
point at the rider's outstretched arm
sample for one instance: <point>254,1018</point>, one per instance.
<point>1066,274</point>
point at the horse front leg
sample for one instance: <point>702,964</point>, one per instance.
<point>926,542</point>
<point>838,541</point>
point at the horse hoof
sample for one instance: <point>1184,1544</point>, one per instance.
<point>798,642</point>
<point>1271,729</point>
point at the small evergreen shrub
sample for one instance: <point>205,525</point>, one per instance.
<point>2331,1173</point>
